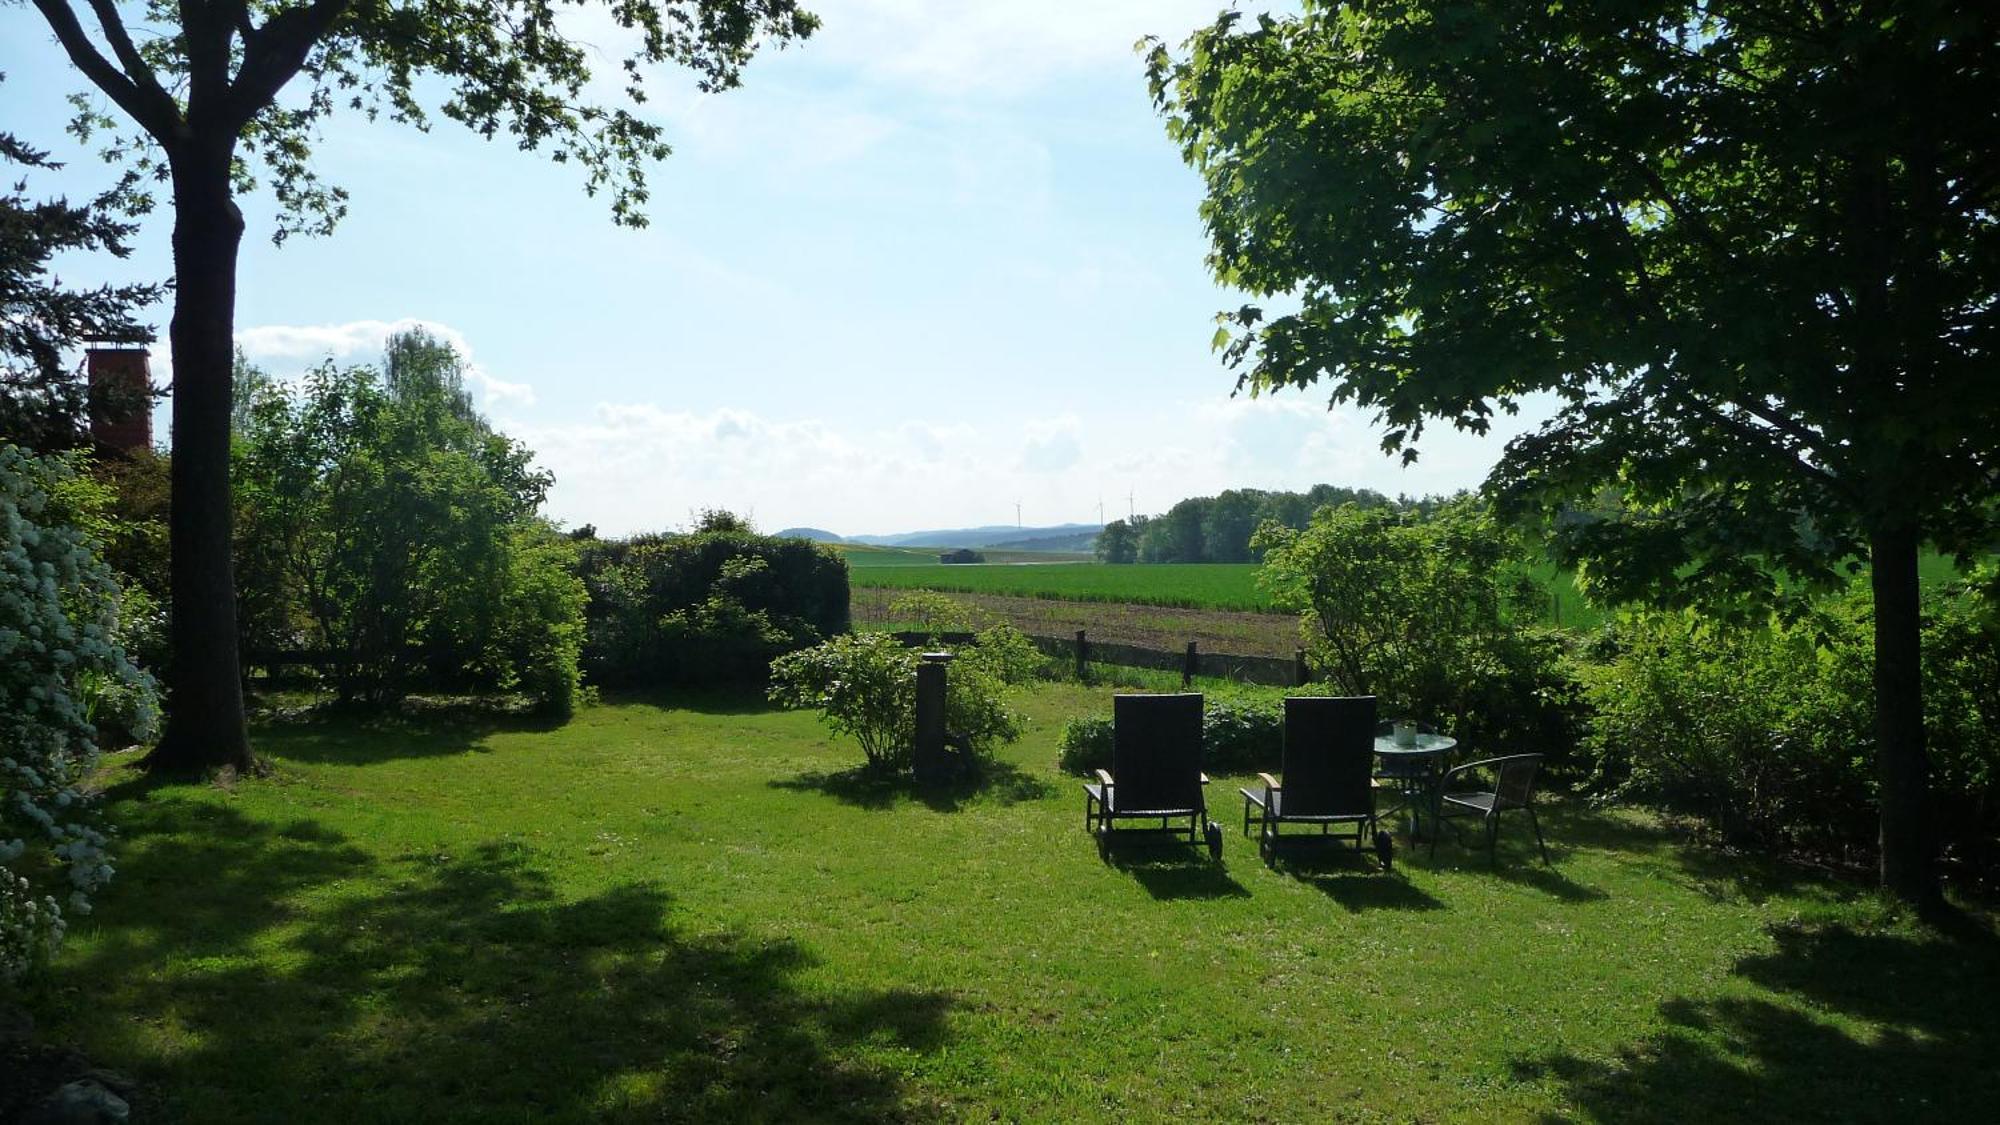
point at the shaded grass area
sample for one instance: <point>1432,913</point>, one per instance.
<point>696,908</point>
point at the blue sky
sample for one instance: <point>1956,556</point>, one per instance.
<point>938,260</point>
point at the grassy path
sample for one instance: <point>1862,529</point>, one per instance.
<point>691,912</point>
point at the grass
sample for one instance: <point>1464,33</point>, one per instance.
<point>695,911</point>
<point>1179,585</point>
<point>863,557</point>
<point>1205,586</point>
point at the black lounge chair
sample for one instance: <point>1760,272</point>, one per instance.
<point>1329,760</point>
<point>1155,773</point>
<point>1513,788</point>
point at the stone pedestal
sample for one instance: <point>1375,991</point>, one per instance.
<point>930,759</point>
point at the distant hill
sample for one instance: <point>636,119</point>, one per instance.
<point>992,535</point>
<point>815,534</point>
<point>1077,541</point>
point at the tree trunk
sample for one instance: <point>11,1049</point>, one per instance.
<point>1902,765</point>
<point>205,724</point>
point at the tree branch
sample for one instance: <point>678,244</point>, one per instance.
<point>273,55</point>
<point>142,76</point>
<point>147,105</point>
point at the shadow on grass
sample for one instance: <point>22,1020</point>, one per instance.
<point>326,736</point>
<point>700,700</point>
<point>1744,1057</point>
<point>1172,869</point>
<point>1354,879</point>
<point>1722,873</point>
<point>1000,782</point>
<point>251,971</point>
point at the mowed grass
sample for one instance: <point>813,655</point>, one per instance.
<point>691,912</point>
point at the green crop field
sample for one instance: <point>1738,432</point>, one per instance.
<point>862,557</point>
<point>1213,586</point>
<point>1182,585</point>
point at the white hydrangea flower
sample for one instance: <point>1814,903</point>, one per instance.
<point>59,660</point>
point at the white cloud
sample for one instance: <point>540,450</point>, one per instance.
<point>636,467</point>
<point>289,348</point>
<point>1053,445</point>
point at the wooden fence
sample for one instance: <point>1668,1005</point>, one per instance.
<point>1080,651</point>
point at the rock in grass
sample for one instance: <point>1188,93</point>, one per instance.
<point>84,1102</point>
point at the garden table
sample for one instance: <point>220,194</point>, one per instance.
<point>1413,767</point>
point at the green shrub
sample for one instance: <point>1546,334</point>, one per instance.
<point>864,686</point>
<point>1238,735</point>
<point>1420,608</point>
<point>63,675</point>
<point>1750,729</point>
<point>712,606</point>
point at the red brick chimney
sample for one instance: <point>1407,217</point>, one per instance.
<point>121,397</point>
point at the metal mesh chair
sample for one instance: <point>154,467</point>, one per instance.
<point>1513,787</point>
<point>1329,753</point>
<point>1155,772</point>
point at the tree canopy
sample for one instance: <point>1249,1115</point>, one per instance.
<point>42,402</point>
<point>1746,248</point>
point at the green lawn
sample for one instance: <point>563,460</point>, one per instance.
<point>692,913</point>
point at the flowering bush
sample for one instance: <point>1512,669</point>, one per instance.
<point>60,664</point>
<point>865,686</point>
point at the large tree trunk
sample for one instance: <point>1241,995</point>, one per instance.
<point>1902,764</point>
<point>205,725</point>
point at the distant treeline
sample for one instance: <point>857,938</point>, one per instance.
<point>1217,529</point>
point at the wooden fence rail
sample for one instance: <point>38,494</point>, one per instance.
<point>1078,651</point>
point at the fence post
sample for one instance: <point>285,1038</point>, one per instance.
<point>928,759</point>
<point>1082,655</point>
<point>1188,666</point>
<point>1301,675</point>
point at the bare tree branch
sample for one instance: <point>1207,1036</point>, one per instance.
<point>139,95</point>
<point>273,54</point>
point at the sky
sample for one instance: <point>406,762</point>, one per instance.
<point>937,261</point>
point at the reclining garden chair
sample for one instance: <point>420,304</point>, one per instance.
<point>1328,763</point>
<point>1513,787</point>
<point>1155,773</point>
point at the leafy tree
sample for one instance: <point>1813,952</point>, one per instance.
<point>1117,543</point>
<point>1175,536</point>
<point>1411,609</point>
<point>1749,248</point>
<point>402,533</point>
<point>42,403</point>
<point>1227,523</point>
<point>204,88</point>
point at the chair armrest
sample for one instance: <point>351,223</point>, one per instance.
<point>1269,781</point>
<point>1105,777</point>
